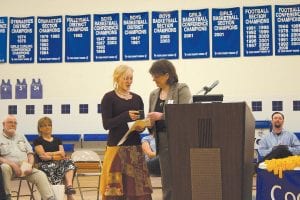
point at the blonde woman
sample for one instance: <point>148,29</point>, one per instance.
<point>125,174</point>
<point>52,159</point>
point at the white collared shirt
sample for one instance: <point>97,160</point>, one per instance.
<point>14,148</point>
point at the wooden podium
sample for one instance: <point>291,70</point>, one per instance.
<point>211,148</point>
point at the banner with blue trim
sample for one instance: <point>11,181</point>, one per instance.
<point>49,39</point>
<point>135,36</point>
<point>165,35</point>
<point>257,31</point>
<point>3,39</point>
<point>287,30</point>
<point>78,38</point>
<point>21,40</point>
<point>195,33</point>
<point>270,186</point>
<point>106,37</point>
<point>226,32</point>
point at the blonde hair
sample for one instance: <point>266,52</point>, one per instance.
<point>119,72</point>
<point>42,121</point>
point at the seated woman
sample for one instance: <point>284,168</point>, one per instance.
<point>51,157</point>
<point>152,160</point>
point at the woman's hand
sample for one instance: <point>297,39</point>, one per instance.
<point>46,156</point>
<point>154,116</point>
<point>134,114</point>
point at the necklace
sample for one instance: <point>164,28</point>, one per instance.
<point>123,95</point>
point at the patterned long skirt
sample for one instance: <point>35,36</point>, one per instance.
<point>56,170</point>
<point>125,174</point>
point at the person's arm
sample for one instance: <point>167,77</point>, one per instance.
<point>139,128</point>
<point>29,149</point>
<point>39,149</point>
<point>184,96</point>
<point>16,168</point>
<point>51,155</point>
<point>147,149</point>
<point>295,145</point>
<point>60,154</point>
<point>30,157</point>
<point>108,120</point>
<point>30,160</point>
<point>263,148</point>
<point>152,98</point>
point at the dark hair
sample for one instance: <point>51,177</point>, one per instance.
<point>162,67</point>
<point>279,114</point>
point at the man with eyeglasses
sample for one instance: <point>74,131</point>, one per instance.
<point>15,150</point>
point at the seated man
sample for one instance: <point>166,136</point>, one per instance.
<point>149,148</point>
<point>14,151</point>
<point>279,143</point>
<point>2,192</point>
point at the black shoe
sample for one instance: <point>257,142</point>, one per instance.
<point>70,190</point>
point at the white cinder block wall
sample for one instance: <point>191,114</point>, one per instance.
<point>241,79</point>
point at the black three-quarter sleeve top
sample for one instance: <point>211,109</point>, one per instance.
<point>115,116</point>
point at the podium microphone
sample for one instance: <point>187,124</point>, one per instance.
<point>208,89</point>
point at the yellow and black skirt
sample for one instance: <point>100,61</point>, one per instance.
<point>125,175</point>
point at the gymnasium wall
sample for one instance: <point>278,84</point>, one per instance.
<point>258,78</point>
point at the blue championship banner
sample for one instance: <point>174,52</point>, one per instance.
<point>21,40</point>
<point>226,32</point>
<point>3,39</point>
<point>287,29</point>
<point>257,31</point>
<point>165,35</point>
<point>195,33</point>
<point>270,187</point>
<point>106,37</point>
<point>49,39</point>
<point>78,38</point>
<point>135,36</point>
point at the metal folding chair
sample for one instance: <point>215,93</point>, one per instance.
<point>18,192</point>
<point>88,163</point>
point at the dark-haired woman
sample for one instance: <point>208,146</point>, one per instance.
<point>168,91</point>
